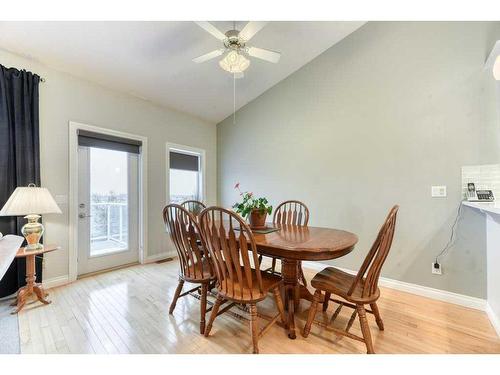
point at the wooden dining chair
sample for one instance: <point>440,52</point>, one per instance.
<point>291,212</point>
<point>356,290</point>
<point>239,280</point>
<point>194,206</point>
<point>195,265</point>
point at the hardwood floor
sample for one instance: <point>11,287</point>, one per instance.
<point>126,311</point>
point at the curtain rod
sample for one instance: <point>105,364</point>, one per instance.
<point>20,70</point>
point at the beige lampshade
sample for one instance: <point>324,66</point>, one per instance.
<point>30,200</point>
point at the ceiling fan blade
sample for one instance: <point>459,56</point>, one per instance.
<point>264,54</point>
<point>251,28</point>
<point>208,56</point>
<point>207,26</point>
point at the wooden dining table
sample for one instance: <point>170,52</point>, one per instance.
<point>292,244</point>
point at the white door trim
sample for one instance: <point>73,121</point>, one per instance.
<point>73,192</point>
<point>185,149</point>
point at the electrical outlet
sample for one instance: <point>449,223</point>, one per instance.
<point>438,191</point>
<point>437,269</point>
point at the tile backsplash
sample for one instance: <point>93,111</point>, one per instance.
<point>484,177</point>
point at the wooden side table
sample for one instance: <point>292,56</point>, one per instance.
<point>31,286</point>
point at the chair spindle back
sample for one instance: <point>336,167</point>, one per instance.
<point>194,206</point>
<point>291,213</point>
<point>372,265</point>
<point>184,232</point>
<point>233,251</point>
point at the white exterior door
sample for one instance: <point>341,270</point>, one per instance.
<point>108,209</point>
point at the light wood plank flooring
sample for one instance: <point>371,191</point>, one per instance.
<point>126,311</point>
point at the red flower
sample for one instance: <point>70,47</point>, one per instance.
<point>250,194</point>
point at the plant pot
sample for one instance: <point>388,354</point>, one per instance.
<point>257,219</point>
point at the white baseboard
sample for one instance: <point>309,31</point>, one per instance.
<point>437,294</point>
<point>494,318</point>
<point>156,257</point>
<point>55,281</point>
<point>425,291</point>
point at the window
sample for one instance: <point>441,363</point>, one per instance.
<point>185,175</point>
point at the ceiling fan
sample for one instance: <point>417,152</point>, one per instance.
<point>235,44</point>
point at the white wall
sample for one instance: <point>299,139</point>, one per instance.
<point>376,120</point>
<point>64,98</point>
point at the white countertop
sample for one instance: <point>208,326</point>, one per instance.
<point>490,207</point>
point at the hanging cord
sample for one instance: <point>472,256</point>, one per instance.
<point>234,98</point>
<point>452,237</point>
<point>234,87</point>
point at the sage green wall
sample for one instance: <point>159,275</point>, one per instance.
<point>65,98</point>
<point>376,120</point>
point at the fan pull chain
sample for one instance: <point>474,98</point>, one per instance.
<point>234,98</point>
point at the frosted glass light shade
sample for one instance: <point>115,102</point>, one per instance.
<point>496,68</point>
<point>30,200</point>
<point>234,62</point>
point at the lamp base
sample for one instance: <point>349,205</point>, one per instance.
<point>33,232</point>
<point>34,247</point>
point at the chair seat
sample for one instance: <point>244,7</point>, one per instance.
<point>335,281</point>
<point>236,292</point>
<point>194,272</point>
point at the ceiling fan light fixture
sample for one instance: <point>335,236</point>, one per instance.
<point>234,62</point>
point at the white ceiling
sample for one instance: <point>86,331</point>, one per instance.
<point>152,60</point>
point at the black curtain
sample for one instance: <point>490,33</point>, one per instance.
<point>19,156</point>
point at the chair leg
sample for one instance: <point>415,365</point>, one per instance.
<point>301,275</point>
<point>365,328</point>
<point>378,318</point>
<point>260,261</point>
<point>312,313</point>
<point>203,306</point>
<point>326,301</point>
<point>176,296</point>
<point>254,326</point>
<point>213,315</point>
<point>273,266</point>
<point>279,304</point>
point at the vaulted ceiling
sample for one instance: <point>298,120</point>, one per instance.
<point>152,60</point>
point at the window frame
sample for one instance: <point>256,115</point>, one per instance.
<point>188,150</point>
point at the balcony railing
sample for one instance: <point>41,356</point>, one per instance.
<point>109,226</point>
<point>178,199</point>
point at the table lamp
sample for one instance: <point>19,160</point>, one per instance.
<point>30,202</point>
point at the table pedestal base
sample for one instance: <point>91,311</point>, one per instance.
<point>294,292</point>
<point>30,288</point>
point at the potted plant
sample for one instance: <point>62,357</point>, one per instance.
<point>255,210</point>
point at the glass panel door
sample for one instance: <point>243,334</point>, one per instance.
<point>108,209</point>
<point>108,201</point>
